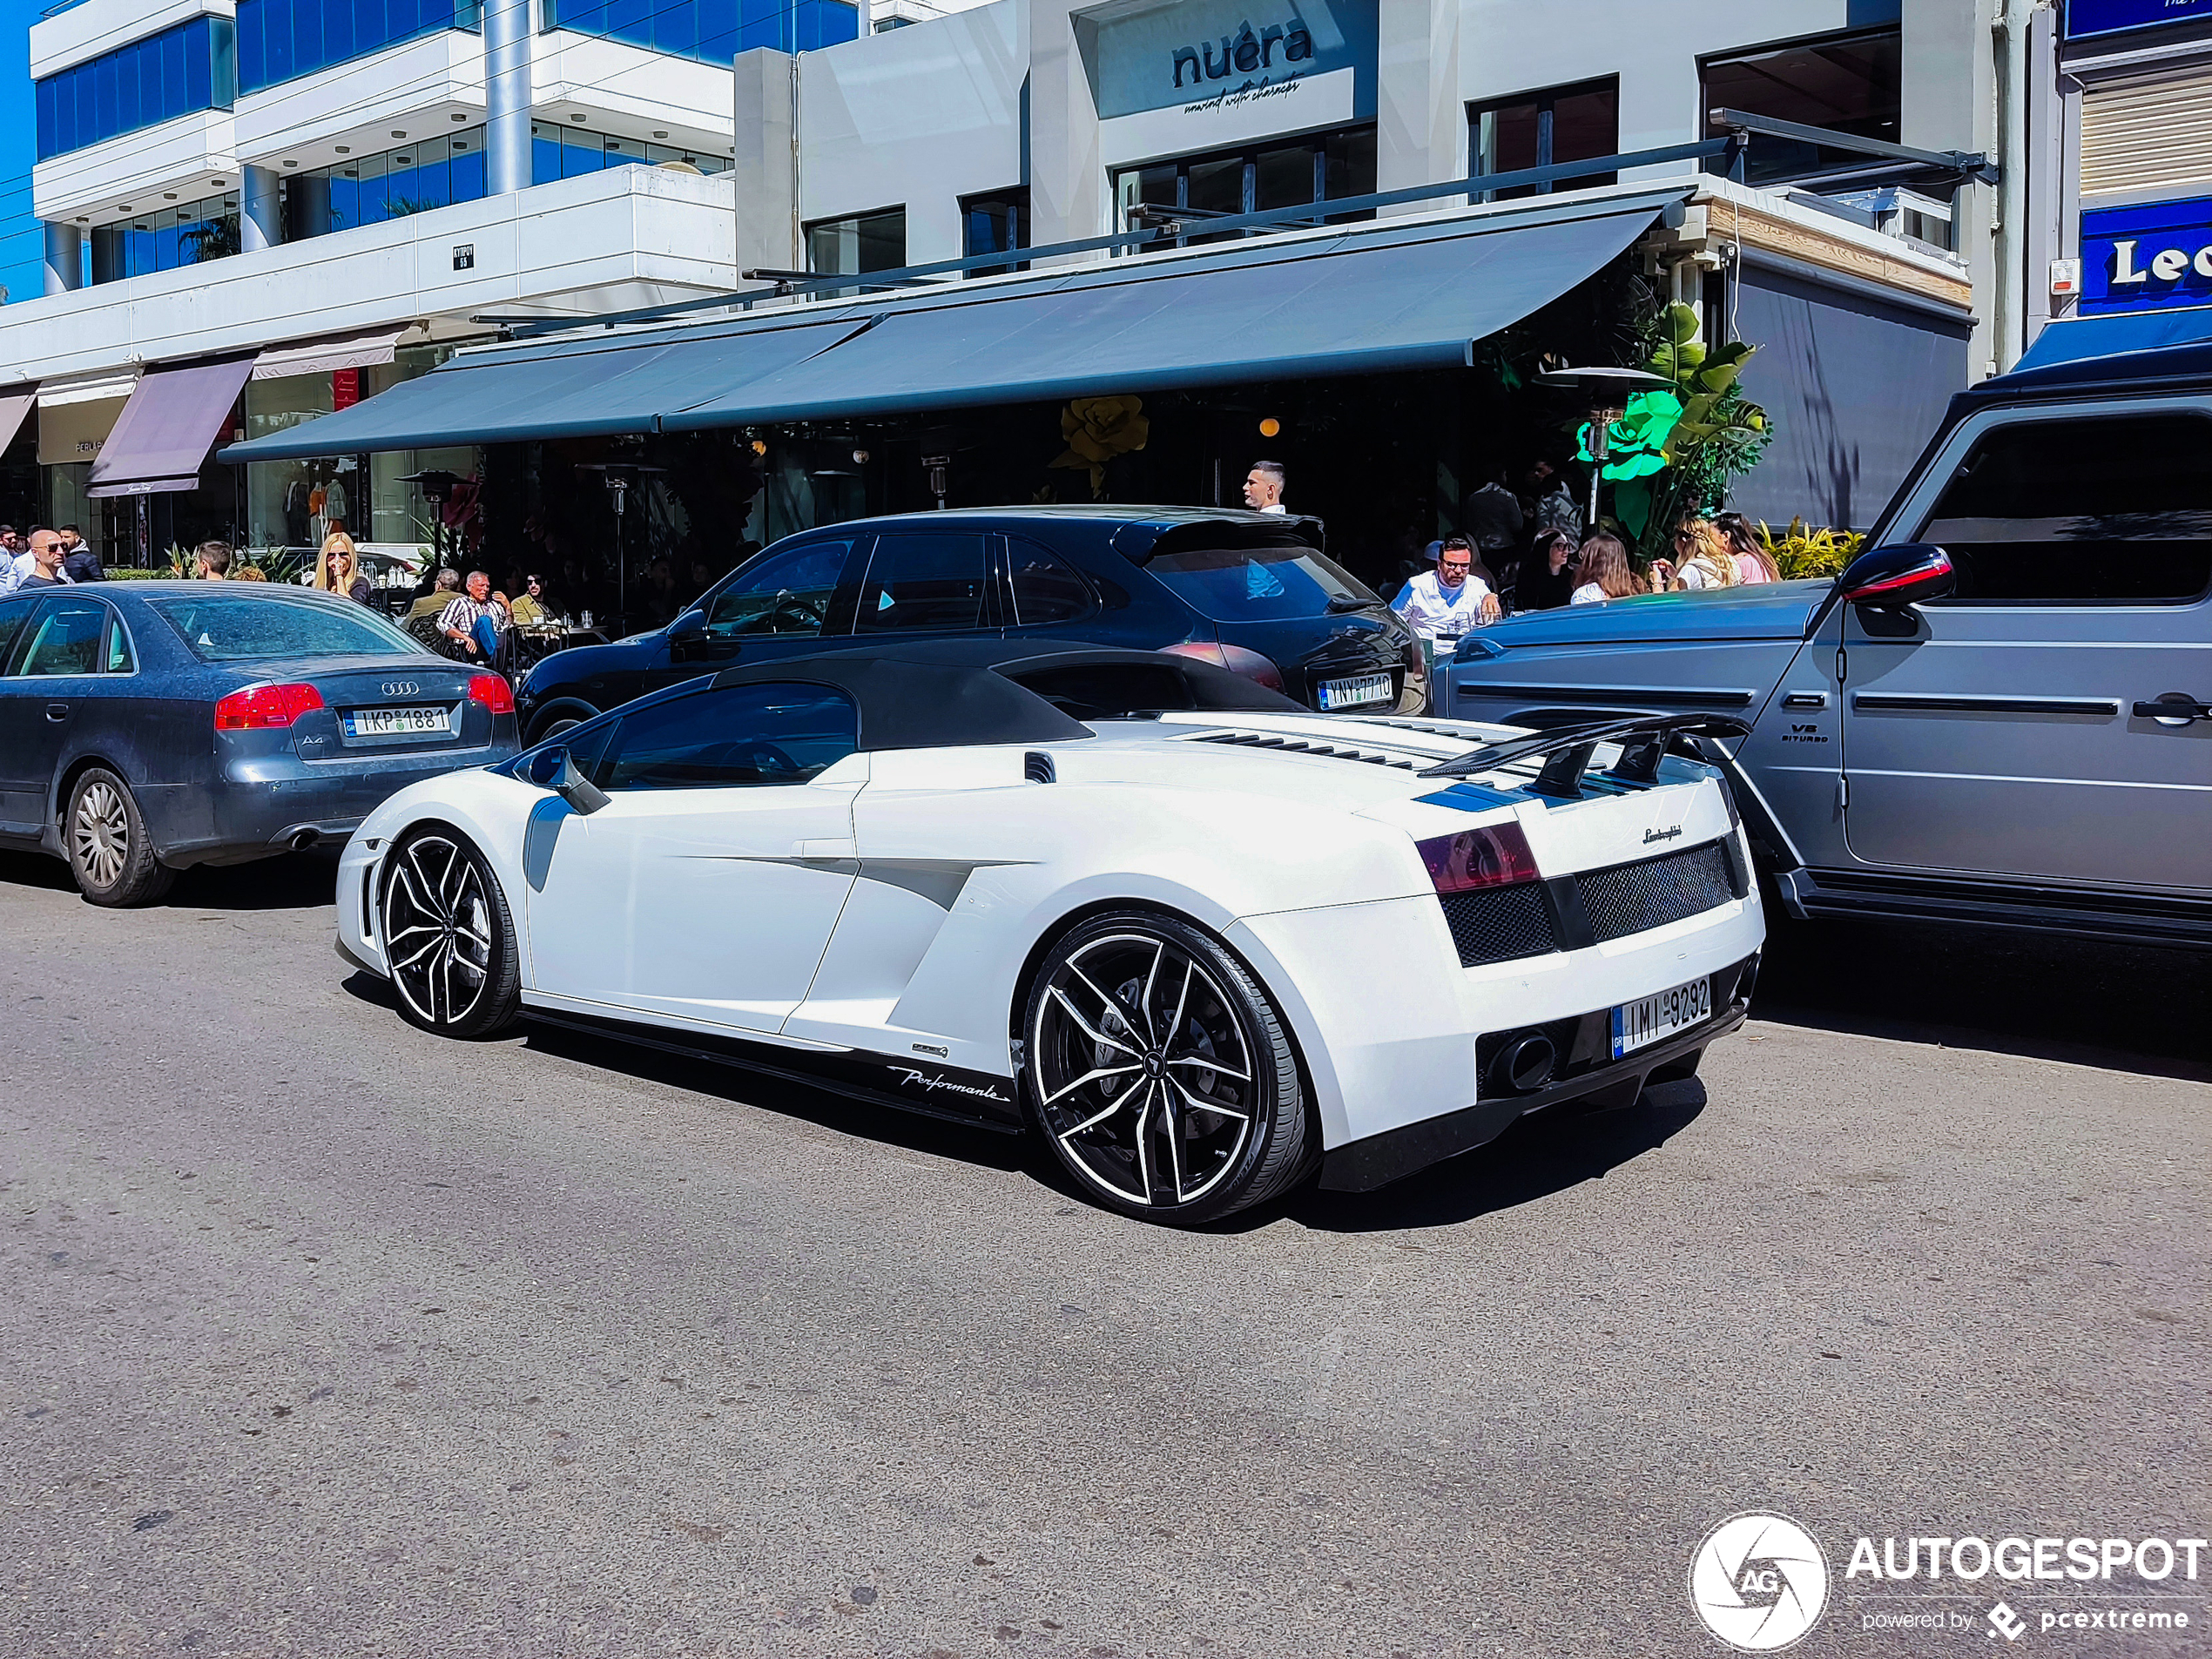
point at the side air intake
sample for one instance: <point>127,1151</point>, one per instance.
<point>1036,767</point>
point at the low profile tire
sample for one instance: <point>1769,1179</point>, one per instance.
<point>1161,1073</point>
<point>553,729</point>
<point>448,937</point>
<point>109,852</point>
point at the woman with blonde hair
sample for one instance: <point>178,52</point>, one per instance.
<point>338,569</point>
<point>1701,559</point>
<point>1602,566</point>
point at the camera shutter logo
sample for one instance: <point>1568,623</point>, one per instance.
<point>1759,1582</point>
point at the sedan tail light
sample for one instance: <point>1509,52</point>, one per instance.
<point>1496,857</point>
<point>493,691</point>
<point>258,708</point>
<point>1237,660</point>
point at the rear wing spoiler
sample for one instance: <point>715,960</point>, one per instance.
<point>1644,740</point>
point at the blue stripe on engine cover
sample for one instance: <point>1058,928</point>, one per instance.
<point>1473,798</point>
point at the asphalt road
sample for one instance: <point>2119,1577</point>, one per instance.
<point>323,1337</point>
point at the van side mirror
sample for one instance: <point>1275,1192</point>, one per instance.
<point>1891,579</point>
<point>556,769</point>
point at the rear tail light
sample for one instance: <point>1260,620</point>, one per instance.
<point>493,691</point>
<point>1496,857</point>
<point>258,708</point>
<point>1237,660</point>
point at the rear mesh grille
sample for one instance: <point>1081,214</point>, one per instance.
<point>1498,924</point>
<point>1629,898</point>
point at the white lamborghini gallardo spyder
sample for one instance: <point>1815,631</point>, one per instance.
<point>1203,942</point>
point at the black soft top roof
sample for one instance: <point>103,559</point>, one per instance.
<point>954,693</point>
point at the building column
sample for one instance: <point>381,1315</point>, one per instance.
<point>65,258</point>
<point>260,219</point>
<point>1068,198</point>
<point>765,167</point>
<point>1421,136</point>
<point>507,95</point>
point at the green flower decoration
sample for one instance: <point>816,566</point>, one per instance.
<point>1635,443</point>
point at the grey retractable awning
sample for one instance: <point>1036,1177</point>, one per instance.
<point>569,389</point>
<point>1365,303</point>
<point>1370,299</point>
<point>165,430</point>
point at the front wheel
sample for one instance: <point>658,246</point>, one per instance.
<point>1161,1073</point>
<point>109,852</point>
<point>448,937</point>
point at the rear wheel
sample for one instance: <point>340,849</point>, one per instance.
<point>109,852</point>
<point>1160,1071</point>
<point>448,937</point>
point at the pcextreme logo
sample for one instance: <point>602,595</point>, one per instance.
<point>1758,1581</point>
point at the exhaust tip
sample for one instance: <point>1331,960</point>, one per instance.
<point>1526,1064</point>
<point>304,840</point>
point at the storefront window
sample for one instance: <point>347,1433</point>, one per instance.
<point>1846,82</point>
<point>1547,129</point>
<point>995,223</point>
<point>713,32</point>
<point>1326,167</point>
<point>192,66</point>
<point>280,40</point>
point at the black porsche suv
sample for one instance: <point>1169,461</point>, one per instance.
<point>1252,592</point>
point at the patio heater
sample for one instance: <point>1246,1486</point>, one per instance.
<point>437,487</point>
<point>1605,393</point>
<point>620,477</point>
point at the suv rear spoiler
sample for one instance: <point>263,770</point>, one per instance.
<point>1644,740</point>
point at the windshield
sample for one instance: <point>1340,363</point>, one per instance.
<point>1258,583</point>
<point>244,628</point>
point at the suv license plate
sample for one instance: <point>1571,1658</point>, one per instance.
<point>1651,1018</point>
<point>1354,693</point>
<point>385,723</point>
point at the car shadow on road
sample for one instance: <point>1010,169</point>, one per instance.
<point>2120,1008</point>
<point>1538,1157</point>
<point>290,882</point>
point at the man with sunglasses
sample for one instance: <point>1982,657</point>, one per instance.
<point>1441,604</point>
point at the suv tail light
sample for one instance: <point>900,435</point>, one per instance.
<point>1496,857</point>
<point>493,691</point>
<point>258,708</point>
<point>1237,660</point>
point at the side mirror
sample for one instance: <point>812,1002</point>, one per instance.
<point>689,642</point>
<point>1890,578</point>
<point>556,769</point>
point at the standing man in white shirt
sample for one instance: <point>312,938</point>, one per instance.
<point>1441,604</point>
<point>1264,487</point>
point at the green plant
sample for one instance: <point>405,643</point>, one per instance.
<point>114,575</point>
<point>1800,551</point>
<point>1718,434</point>
<point>181,564</point>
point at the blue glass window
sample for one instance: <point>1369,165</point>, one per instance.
<point>148,82</point>
<point>713,32</point>
<point>280,40</point>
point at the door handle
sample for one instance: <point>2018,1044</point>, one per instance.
<point>2173,708</point>
<point>57,711</point>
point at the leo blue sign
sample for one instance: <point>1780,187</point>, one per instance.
<point>2086,17</point>
<point>2149,257</point>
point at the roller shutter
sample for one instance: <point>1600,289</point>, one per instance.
<point>2140,135</point>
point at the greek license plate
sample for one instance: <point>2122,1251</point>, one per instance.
<point>1354,693</point>
<point>385,723</point>
<point>1651,1018</point>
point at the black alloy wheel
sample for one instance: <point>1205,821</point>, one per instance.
<point>448,937</point>
<point>1161,1073</point>
<point>109,852</point>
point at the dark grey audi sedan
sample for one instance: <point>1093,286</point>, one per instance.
<point>145,727</point>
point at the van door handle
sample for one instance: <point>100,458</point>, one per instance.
<point>57,711</point>
<point>2173,708</point>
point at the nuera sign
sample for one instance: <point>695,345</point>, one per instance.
<point>1182,52</point>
